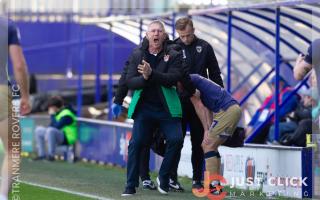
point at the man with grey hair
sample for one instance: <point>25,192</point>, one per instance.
<point>153,73</point>
<point>10,37</point>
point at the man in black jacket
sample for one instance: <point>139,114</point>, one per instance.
<point>121,93</point>
<point>152,73</point>
<point>200,59</point>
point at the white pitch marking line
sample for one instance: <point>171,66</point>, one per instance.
<point>66,191</point>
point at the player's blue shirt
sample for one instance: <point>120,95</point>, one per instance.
<point>13,34</point>
<point>9,35</point>
<point>212,95</point>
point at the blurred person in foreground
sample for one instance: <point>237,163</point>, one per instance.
<point>305,63</point>
<point>10,46</point>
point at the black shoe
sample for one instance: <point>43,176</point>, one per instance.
<point>38,158</point>
<point>50,158</point>
<point>197,185</point>
<point>161,189</point>
<point>175,186</point>
<point>148,185</point>
<point>128,192</point>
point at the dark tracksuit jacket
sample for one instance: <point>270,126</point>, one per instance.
<point>122,89</point>
<point>199,56</point>
<point>166,75</point>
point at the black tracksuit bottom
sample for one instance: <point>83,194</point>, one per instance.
<point>191,119</point>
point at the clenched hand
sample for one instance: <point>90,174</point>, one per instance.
<point>145,69</point>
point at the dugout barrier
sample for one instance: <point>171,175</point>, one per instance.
<point>99,141</point>
<point>275,170</point>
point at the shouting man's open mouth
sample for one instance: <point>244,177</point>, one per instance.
<point>156,40</point>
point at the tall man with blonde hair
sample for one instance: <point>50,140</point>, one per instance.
<point>200,59</point>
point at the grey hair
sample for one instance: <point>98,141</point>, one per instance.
<point>159,22</point>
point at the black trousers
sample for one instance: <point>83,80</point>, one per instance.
<point>158,146</point>
<point>305,126</point>
<point>145,123</point>
<point>144,163</point>
<point>191,118</point>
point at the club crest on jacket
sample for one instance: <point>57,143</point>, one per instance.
<point>199,49</point>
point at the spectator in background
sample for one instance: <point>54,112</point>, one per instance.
<point>61,131</point>
<point>268,107</point>
<point>305,126</point>
<point>303,111</point>
<point>10,45</point>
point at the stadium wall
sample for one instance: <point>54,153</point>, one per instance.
<point>39,39</point>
